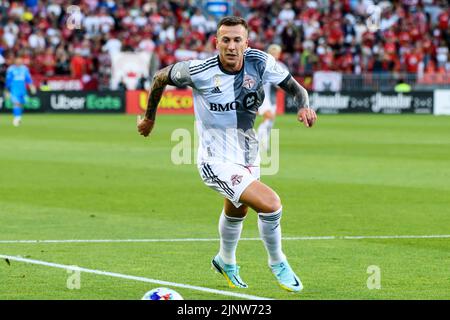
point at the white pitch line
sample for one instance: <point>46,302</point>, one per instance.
<point>397,237</point>
<point>128,277</point>
<point>113,240</point>
<point>442,236</point>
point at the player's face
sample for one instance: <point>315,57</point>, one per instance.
<point>231,43</point>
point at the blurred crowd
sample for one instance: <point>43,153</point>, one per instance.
<point>345,36</point>
<point>409,36</point>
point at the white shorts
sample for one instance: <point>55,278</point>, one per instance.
<point>229,179</point>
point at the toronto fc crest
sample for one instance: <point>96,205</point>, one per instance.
<point>248,82</point>
<point>235,179</point>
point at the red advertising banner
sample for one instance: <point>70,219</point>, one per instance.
<point>172,102</point>
<point>175,102</point>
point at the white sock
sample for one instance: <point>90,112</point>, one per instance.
<point>270,232</point>
<point>230,231</point>
<point>17,120</point>
<point>264,133</point>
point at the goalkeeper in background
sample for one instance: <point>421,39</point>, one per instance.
<point>17,78</point>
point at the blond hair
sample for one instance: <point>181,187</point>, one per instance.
<point>274,49</point>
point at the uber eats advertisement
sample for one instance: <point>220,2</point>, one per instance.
<point>32,104</point>
<point>71,102</point>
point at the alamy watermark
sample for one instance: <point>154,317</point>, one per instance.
<point>374,12</point>
<point>74,19</point>
<point>74,279</point>
<point>232,143</point>
<point>374,280</point>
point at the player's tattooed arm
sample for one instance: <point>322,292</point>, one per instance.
<point>160,80</point>
<point>305,114</point>
<point>300,95</point>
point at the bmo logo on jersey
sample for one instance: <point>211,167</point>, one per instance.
<point>220,107</point>
<point>249,101</point>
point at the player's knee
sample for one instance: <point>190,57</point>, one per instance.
<point>272,203</point>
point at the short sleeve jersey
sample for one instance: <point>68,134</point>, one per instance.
<point>270,91</point>
<point>17,77</point>
<point>226,104</point>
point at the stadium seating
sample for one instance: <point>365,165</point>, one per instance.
<point>411,36</point>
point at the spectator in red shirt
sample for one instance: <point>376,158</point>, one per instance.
<point>430,68</point>
<point>77,65</point>
<point>345,62</point>
<point>413,59</point>
<point>368,39</point>
<point>49,62</point>
<point>415,33</point>
<point>443,20</point>
<point>403,37</point>
<point>390,46</point>
<point>335,36</point>
<point>326,60</point>
<point>38,62</point>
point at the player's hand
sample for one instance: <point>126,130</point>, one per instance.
<point>308,116</point>
<point>6,94</point>
<point>145,126</point>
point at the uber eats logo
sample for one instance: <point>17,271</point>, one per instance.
<point>65,102</point>
<point>95,102</point>
<point>31,103</point>
<point>90,101</point>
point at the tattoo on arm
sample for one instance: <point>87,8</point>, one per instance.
<point>300,95</point>
<point>160,80</point>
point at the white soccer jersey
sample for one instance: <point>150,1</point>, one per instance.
<point>226,104</point>
<point>270,93</point>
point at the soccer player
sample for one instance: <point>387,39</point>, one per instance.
<point>268,109</point>
<point>17,78</point>
<point>227,90</point>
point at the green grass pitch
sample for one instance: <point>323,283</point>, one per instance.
<point>94,177</point>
